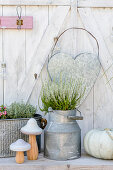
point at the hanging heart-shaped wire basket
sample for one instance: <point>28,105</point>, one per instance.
<point>83,66</point>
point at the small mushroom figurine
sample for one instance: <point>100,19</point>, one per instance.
<point>32,129</point>
<point>20,146</point>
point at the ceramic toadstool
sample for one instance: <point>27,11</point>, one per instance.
<point>20,146</point>
<point>32,129</point>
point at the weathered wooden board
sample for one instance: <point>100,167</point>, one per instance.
<point>95,3</point>
<point>1,60</point>
<point>14,56</point>
<point>102,91</point>
<point>103,95</point>
<point>43,51</point>
<point>11,22</point>
<point>81,3</point>
<point>105,58</point>
<point>36,91</point>
<point>33,39</point>
<point>104,17</point>
<point>35,2</point>
<point>34,36</point>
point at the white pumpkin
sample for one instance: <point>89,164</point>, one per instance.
<point>99,143</point>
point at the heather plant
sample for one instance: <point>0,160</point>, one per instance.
<point>20,110</point>
<point>61,94</point>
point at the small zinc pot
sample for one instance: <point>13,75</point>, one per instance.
<point>10,132</point>
<point>62,135</point>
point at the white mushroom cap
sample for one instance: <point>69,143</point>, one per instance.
<point>31,128</point>
<point>20,145</point>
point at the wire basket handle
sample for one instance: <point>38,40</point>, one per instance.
<point>77,29</point>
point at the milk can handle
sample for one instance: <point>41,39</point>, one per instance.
<point>69,117</point>
<point>76,117</point>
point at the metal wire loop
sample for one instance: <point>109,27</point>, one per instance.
<point>19,11</point>
<point>77,28</point>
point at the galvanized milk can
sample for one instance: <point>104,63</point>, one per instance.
<point>62,135</point>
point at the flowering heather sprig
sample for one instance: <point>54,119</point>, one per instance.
<point>3,112</point>
<point>62,94</point>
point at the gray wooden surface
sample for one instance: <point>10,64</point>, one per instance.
<point>84,163</point>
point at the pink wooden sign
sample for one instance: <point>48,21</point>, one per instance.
<point>12,22</point>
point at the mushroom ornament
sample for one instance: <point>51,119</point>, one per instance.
<point>32,129</point>
<point>20,146</point>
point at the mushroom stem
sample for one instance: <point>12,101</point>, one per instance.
<point>32,154</point>
<point>19,157</point>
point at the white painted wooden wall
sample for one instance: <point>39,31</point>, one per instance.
<point>18,50</point>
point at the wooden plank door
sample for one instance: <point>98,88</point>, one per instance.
<point>25,53</point>
<point>14,56</point>
<point>101,26</point>
<point>99,23</point>
<point>33,39</point>
<point>42,51</point>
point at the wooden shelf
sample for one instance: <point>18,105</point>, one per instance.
<point>84,163</point>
